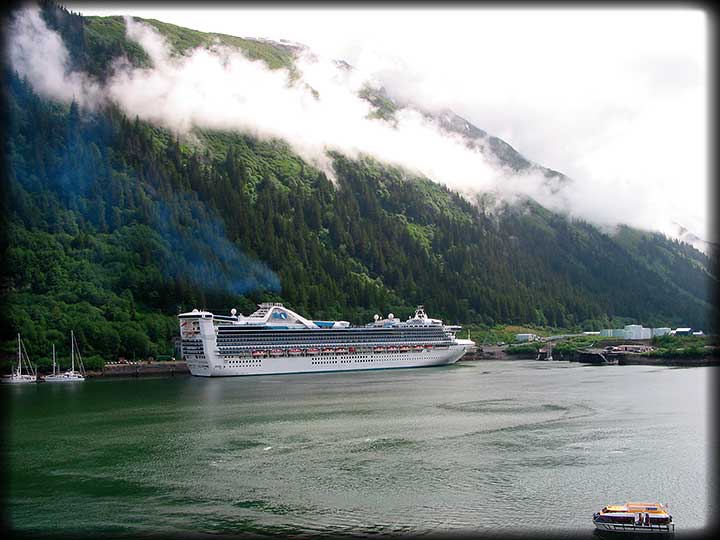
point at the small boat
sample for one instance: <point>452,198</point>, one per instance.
<point>72,375</point>
<point>55,372</point>
<point>404,348</point>
<point>313,351</point>
<point>294,352</point>
<point>379,349</point>
<point>257,354</point>
<point>276,352</point>
<point>392,349</point>
<point>328,350</point>
<point>418,347</point>
<point>341,350</point>
<point>17,376</point>
<point>634,518</point>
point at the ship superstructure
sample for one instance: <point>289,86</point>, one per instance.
<point>275,339</point>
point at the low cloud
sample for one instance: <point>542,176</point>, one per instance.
<point>39,54</point>
<point>219,88</point>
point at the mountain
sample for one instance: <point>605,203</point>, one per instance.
<point>114,224</point>
<point>386,107</point>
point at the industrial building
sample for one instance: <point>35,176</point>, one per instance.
<point>637,331</point>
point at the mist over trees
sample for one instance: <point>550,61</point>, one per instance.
<point>114,225</point>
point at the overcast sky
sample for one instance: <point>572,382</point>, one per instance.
<point>612,97</point>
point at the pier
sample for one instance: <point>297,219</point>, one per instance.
<point>141,369</point>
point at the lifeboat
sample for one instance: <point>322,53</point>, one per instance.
<point>379,349</point>
<point>404,348</point>
<point>341,350</point>
<point>418,348</point>
<point>276,352</point>
<point>313,351</point>
<point>634,518</point>
<point>294,352</point>
<point>392,348</point>
<point>328,350</point>
<point>351,349</point>
<point>256,354</point>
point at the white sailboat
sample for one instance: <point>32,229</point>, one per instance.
<point>72,375</point>
<point>17,376</point>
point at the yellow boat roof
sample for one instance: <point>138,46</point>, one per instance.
<point>632,507</point>
<point>649,507</point>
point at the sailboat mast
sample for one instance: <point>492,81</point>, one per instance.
<point>19,356</point>
<point>72,351</point>
<point>53,359</point>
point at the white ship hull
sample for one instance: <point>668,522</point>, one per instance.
<point>238,366</point>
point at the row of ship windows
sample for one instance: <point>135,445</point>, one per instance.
<point>327,333</point>
<point>364,359</point>
<point>353,357</point>
<point>243,365</point>
<point>237,341</point>
<point>258,362</point>
<point>380,358</point>
<point>285,352</point>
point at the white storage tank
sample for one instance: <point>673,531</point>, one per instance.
<point>633,331</point>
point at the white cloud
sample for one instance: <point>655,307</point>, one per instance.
<point>615,99</point>
<point>40,56</point>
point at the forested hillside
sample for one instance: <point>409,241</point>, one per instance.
<point>114,225</point>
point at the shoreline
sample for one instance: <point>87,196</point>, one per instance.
<point>624,360</point>
<point>145,369</point>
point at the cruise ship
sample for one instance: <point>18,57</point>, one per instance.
<point>275,339</point>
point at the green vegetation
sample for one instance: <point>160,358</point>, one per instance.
<point>94,42</point>
<point>383,107</point>
<point>114,225</point>
<point>683,346</point>
<point>574,344</point>
<point>491,335</point>
<point>181,40</point>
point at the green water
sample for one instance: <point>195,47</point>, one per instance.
<point>479,446</point>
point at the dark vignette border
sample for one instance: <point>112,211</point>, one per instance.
<point>713,236</point>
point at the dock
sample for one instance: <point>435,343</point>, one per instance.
<point>141,369</point>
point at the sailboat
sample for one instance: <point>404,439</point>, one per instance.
<point>17,376</point>
<point>72,375</point>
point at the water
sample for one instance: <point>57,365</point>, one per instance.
<point>490,446</point>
